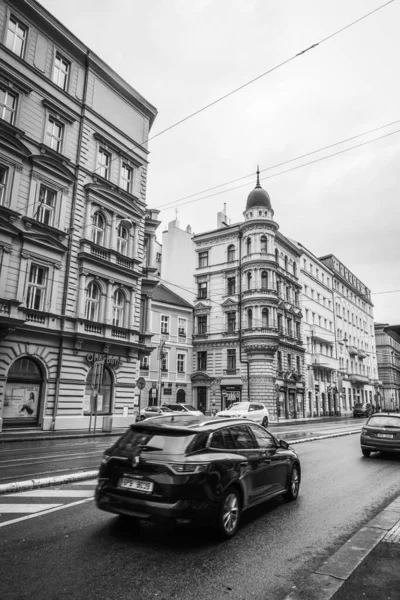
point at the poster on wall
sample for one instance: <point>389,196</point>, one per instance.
<point>21,401</point>
<point>86,403</point>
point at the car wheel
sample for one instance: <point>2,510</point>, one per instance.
<point>265,422</point>
<point>229,513</point>
<point>294,485</point>
<point>366,453</point>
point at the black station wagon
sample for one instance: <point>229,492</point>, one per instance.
<point>190,470</point>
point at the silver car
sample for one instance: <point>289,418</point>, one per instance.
<point>248,410</point>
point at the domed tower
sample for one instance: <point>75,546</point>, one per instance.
<point>259,295</point>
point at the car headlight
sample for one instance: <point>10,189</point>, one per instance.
<point>363,430</point>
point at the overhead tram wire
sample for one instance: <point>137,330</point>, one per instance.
<point>275,68</point>
<point>311,162</point>
<point>281,164</point>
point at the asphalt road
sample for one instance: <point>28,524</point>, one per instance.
<point>24,460</point>
<point>79,552</point>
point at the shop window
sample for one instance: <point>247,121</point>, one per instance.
<point>99,391</point>
<point>23,392</point>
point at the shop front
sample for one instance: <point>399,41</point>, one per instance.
<point>229,395</point>
<point>203,395</point>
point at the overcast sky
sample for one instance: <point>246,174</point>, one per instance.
<point>183,54</point>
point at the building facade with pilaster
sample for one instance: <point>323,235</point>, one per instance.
<point>358,379</point>
<point>77,241</point>
<point>247,340</point>
<point>388,356</point>
<point>322,363</point>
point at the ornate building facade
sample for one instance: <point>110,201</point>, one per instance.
<point>388,356</point>
<point>247,340</point>
<point>77,242</point>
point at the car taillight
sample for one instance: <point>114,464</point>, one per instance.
<point>188,468</point>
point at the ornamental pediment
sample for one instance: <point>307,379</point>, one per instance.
<point>202,308</point>
<point>229,303</point>
<point>54,166</point>
<point>44,240</point>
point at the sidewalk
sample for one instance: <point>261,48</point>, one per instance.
<point>34,433</point>
<point>366,567</point>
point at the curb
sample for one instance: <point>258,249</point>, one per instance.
<point>32,484</point>
<point>334,572</point>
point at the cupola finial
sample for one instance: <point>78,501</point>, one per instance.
<point>258,176</point>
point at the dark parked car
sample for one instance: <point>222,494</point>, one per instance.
<point>190,470</point>
<point>381,433</point>
<point>362,410</point>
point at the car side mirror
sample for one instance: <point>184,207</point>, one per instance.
<point>284,445</point>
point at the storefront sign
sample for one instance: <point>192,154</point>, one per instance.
<point>112,361</point>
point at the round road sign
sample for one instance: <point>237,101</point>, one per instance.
<point>141,382</point>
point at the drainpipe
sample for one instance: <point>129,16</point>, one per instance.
<point>246,362</point>
<point>69,252</point>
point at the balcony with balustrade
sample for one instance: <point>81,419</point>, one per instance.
<point>103,330</point>
<point>108,257</point>
<point>323,361</point>
<point>257,256</point>
<point>352,350</point>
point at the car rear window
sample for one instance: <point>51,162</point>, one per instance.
<point>154,440</point>
<point>384,421</point>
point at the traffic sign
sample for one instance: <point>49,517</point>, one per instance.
<point>141,382</point>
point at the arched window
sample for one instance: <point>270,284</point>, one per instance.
<point>119,309</point>
<point>250,318</point>
<point>249,276</point>
<point>99,387</point>
<point>264,280</point>
<point>264,244</point>
<point>248,245</point>
<point>286,262</point>
<point>122,239</point>
<point>92,308</point>
<point>98,229</point>
<point>231,253</point>
<point>265,317</point>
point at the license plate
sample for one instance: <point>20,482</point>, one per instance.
<point>136,484</point>
<point>385,435</point>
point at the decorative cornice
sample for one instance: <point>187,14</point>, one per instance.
<point>60,112</point>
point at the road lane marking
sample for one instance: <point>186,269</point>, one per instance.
<point>47,493</point>
<point>49,456</point>
<point>45,512</point>
<point>25,508</point>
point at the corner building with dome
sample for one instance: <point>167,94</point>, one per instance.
<point>247,341</point>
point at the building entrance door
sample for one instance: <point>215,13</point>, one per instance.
<point>202,399</point>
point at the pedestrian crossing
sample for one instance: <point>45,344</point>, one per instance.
<point>19,506</point>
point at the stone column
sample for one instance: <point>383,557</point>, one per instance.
<point>132,306</point>
<point>88,220</point>
<point>113,234</point>
<point>108,307</point>
<point>81,294</point>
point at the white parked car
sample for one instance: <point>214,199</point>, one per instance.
<point>249,410</point>
<point>153,411</point>
<point>184,408</point>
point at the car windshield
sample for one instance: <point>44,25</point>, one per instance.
<point>359,405</point>
<point>165,409</point>
<point>239,406</point>
<point>384,421</point>
<point>190,407</point>
<point>153,440</point>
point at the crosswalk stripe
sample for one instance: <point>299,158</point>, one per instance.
<point>50,510</point>
<point>47,493</point>
<point>25,508</point>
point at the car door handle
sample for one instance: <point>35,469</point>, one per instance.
<point>266,460</point>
